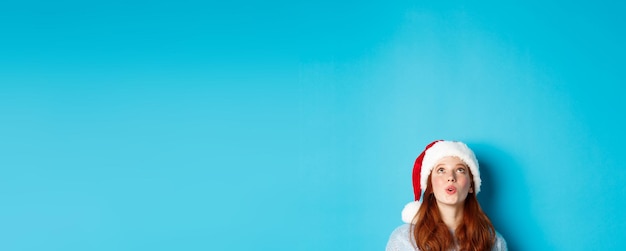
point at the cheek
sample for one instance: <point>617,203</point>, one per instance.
<point>466,182</point>
<point>438,181</point>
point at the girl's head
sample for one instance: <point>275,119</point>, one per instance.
<point>440,161</point>
<point>450,181</point>
<point>447,172</point>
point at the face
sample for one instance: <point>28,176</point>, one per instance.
<point>451,181</point>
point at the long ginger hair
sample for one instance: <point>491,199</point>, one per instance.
<point>475,233</point>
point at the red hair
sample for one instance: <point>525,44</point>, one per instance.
<point>475,233</point>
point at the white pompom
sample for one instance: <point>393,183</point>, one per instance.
<point>410,210</point>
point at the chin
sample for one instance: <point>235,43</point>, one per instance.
<point>450,203</point>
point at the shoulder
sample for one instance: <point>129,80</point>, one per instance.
<point>500,244</point>
<point>400,239</point>
<point>402,229</point>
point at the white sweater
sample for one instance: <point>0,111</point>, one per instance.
<point>401,240</point>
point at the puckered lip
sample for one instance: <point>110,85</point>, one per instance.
<point>450,189</point>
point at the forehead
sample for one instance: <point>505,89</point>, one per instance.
<point>450,161</point>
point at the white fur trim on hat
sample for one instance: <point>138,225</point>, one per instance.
<point>409,211</point>
<point>443,149</point>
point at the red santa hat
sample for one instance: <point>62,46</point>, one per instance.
<point>426,161</point>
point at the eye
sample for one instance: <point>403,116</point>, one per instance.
<point>440,170</point>
<point>460,170</point>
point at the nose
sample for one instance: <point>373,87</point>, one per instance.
<point>452,178</point>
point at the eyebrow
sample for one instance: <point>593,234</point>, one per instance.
<point>457,165</point>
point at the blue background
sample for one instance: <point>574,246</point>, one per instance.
<point>282,125</point>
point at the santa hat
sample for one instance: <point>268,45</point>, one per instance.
<point>426,161</point>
